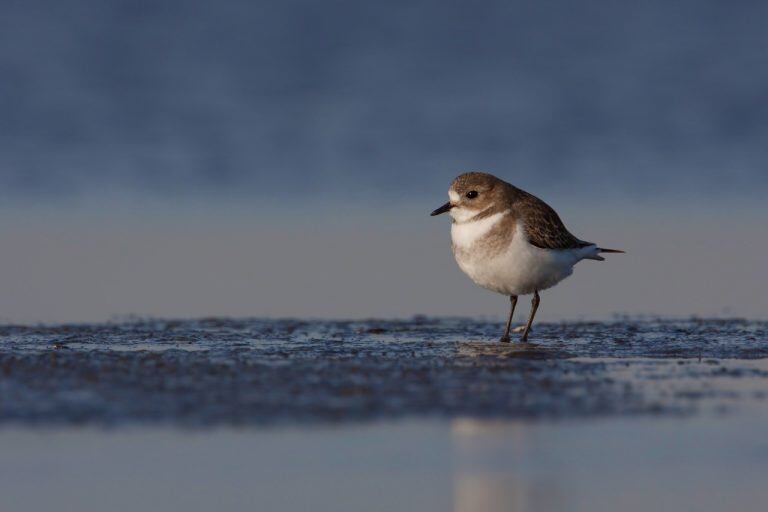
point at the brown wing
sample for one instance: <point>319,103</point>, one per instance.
<point>543,226</point>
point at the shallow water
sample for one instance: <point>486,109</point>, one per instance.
<point>464,465</point>
<point>255,372</point>
<point>428,415</point>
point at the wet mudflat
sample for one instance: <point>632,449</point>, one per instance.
<point>428,415</point>
<point>252,372</point>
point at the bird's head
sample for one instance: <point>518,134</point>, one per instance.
<point>471,193</point>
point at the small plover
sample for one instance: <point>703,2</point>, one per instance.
<point>509,241</point>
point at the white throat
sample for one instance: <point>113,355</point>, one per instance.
<point>465,233</point>
<point>461,214</point>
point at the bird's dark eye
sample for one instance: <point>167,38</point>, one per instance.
<point>472,194</point>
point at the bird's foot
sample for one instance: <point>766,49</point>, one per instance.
<point>504,339</point>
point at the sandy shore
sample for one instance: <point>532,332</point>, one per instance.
<point>228,372</point>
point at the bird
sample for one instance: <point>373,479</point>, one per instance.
<point>511,242</point>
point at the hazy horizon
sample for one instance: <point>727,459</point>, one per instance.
<point>391,262</point>
<point>280,158</point>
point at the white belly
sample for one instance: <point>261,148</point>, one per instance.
<point>519,269</point>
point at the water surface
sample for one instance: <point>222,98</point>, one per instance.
<point>425,414</point>
<point>258,372</point>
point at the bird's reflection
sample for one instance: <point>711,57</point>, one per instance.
<point>493,470</point>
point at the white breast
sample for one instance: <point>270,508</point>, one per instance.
<point>520,269</point>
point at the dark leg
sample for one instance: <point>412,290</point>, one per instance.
<point>534,307</point>
<point>513,300</point>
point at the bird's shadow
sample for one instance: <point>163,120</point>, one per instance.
<point>516,350</point>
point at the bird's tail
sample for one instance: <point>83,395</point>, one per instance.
<point>594,254</point>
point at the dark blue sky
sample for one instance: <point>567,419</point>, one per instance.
<point>381,99</point>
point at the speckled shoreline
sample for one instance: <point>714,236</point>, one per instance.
<point>260,372</point>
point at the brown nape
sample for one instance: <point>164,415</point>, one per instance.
<point>543,226</point>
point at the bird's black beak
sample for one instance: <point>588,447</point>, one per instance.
<point>442,209</point>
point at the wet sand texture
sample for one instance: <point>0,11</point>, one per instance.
<point>252,372</point>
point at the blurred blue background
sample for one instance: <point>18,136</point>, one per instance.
<point>278,158</point>
<point>342,97</point>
